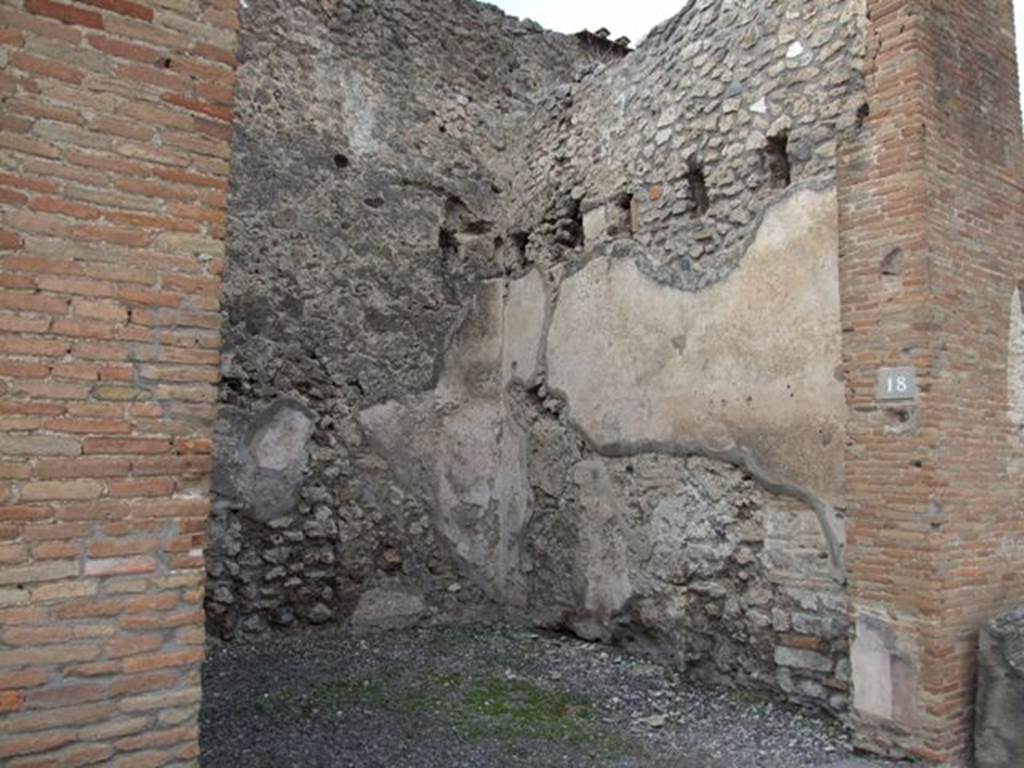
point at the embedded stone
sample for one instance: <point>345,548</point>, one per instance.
<point>595,224</point>
<point>280,440</point>
<point>801,659</point>
<point>320,614</point>
<point>272,461</point>
<point>387,609</point>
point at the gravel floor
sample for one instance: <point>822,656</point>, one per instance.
<point>458,697</point>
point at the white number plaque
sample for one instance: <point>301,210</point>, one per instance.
<point>897,384</point>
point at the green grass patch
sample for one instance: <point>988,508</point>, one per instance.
<point>329,696</point>
<point>493,710</point>
<point>510,710</point>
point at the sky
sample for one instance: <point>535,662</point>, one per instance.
<point>1018,11</point>
<point>633,18</point>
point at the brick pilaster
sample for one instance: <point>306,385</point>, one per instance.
<point>931,228</point>
<point>114,146</point>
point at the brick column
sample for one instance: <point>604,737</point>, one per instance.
<point>931,236</point>
<point>114,145</point>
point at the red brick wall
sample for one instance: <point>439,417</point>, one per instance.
<point>114,145</point>
<point>935,516</point>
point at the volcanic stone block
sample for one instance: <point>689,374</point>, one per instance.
<point>271,460</point>
<point>388,609</point>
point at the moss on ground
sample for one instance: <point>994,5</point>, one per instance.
<point>494,710</point>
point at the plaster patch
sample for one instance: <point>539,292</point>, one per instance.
<point>1015,380</point>
<point>757,372</point>
<point>456,446</point>
<point>871,658</point>
<point>883,674</point>
<point>525,314</point>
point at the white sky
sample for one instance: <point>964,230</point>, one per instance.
<point>1018,11</point>
<point>634,18</point>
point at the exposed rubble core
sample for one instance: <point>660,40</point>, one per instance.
<point>512,322</point>
<point>998,739</point>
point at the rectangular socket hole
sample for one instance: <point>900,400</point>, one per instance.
<point>776,155</point>
<point>627,212</point>
<point>698,189</point>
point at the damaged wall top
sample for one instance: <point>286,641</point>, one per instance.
<point>504,280</point>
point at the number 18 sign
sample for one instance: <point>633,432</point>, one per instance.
<point>897,384</point>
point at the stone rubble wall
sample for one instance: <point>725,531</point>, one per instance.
<point>509,324</point>
<point>716,89</point>
<point>998,741</point>
<point>367,180</point>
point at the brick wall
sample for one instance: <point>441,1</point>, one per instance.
<point>931,232</point>
<point>114,144</point>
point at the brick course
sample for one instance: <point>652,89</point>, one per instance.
<point>934,180</point>
<point>113,141</point>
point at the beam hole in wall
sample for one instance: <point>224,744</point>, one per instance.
<point>892,268</point>
<point>341,161</point>
<point>893,263</point>
<point>698,188</point>
<point>447,242</point>
<point>519,241</point>
<point>776,156</point>
<point>625,203</point>
<point>863,113</point>
<point>901,420</point>
<point>571,234</point>
<point>477,227</point>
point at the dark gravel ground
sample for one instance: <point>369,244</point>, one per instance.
<point>459,697</point>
